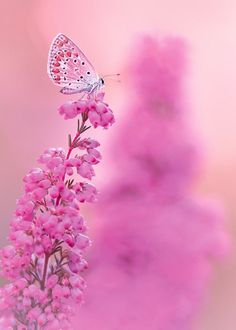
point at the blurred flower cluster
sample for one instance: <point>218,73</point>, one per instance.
<point>44,259</point>
<point>155,238</point>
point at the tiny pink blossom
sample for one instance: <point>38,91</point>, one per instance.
<point>72,109</point>
<point>69,240</point>
<point>86,170</point>
<point>68,110</point>
<point>88,144</point>
<point>100,115</point>
<point>42,319</point>
<point>77,294</point>
<point>82,241</point>
<point>85,192</point>
<point>54,191</point>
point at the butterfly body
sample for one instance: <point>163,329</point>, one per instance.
<point>70,69</point>
<point>89,88</point>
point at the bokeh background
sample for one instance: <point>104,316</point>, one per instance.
<point>105,31</point>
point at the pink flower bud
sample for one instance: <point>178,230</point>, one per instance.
<point>82,241</point>
<point>68,110</point>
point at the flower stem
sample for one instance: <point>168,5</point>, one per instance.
<point>73,144</point>
<point>81,129</point>
<point>79,132</point>
<point>45,268</point>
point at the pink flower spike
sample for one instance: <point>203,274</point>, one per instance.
<point>48,234</point>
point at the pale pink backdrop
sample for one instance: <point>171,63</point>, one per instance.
<point>105,29</point>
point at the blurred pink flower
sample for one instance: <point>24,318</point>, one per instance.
<point>154,242</point>
<point>47,237</point>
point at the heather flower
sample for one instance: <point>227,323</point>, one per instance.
<point>97,111</point>
<point>100,115</point>
<point>44,259</point>
<point>85,192</point>
<point>76,263</point>
<point>69,110</point>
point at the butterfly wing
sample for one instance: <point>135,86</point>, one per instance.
<point>68,67</point>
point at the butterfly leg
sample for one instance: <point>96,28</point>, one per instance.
<point>82,96</point>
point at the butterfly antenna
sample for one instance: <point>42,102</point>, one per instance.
<point>113,75</point>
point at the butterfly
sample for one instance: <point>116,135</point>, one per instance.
<point>70,69</point>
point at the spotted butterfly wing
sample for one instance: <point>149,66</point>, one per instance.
<point>69,68</point>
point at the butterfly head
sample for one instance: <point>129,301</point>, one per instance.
<point>101,82</point>
<point>116,75</point>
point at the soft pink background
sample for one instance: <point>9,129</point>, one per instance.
<point>105,29</point>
